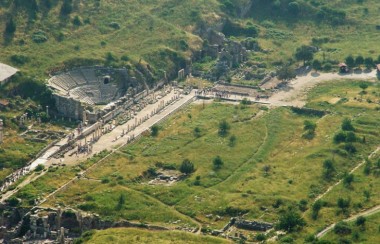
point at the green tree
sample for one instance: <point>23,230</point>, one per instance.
<point>294,8</point>
<point>46,4</point>
<point>328,169</point>
<point>10,26</point>
<point>317,65</point>
<point>317,206</point>
<point>309,125</point>
<point>367,167</point>
<point>77,21</point>
<point>343,204</point>
<point>291,221</point>
<point>217,162</point>
<point>197,132</point>
<point>120,202</point>
<point>359,60</point>
<point>67,7</point>
<point>286,73</point>
<point>347,125</point>
<point>340,137</point>
<point>348,179</point>
<point>232,141</point>
<point>224,128</point>
<point>367,195</point>
<point>342,228</point>
<point>154,130</point>
<point>368,62</point>
<point>363,86</point>
<point>360,221</point>
<point>350,61</point>
<point>13,201</point>
<point>187,167</point>
<point>304,53</point>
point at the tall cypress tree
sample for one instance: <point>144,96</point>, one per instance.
<point>10,27</point>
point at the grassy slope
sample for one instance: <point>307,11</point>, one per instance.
<point>122,235</point>
<point>370,234</point>
<point>358,36</point>
<point>145,28</point>
<point>149,27</point>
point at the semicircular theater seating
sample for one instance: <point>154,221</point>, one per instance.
<point>86,85</point>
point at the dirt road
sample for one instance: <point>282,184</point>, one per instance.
<point>295,93</point>
<point>368,212</point>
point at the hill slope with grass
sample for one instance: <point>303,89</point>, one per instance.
<point>40,36</point>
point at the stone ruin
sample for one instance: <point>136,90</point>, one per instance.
<point>241,223</point>
<point>49,225</point>
<point>84,93</point>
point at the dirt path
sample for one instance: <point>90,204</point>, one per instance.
<point>295,93</point>
<point>368,212</point>
<point>352,171</point>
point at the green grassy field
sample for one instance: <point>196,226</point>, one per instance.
<point>272,138</point>
<point>123,235</point>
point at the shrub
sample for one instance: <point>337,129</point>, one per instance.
<point>360,221</point>
<point>342,228</point>
<point>197,132</point>
<point>260,237</point>
<point>39,168</point>
<point>154,130</point>
<point>77,21</point>
<point>328,169</point>
<point>120,202</point>
<point>217,162</point>
<point>224,128</point>
<point>114,25</point>
<point>10,27</point>
<point>20,59</point>
<point>291,221</point>
<point>343,204</point>
<point>348,179</point>
<point>340,137</point>
<point>350,148</point>
<point>187,167</point>
<point>105,180</point>
<point>347,125</point>
<point>13,201</point>
<point>39,37</point>
<point>66,7</point>
<point>232,141</point>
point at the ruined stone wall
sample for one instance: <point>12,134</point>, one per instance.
<point>69,107</point>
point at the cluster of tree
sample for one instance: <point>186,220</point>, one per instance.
<point>346,136</point>
<point>309,129</point>
<point>236,29</point>
<point>317,206</point>
<point>32,8</point>
<point>298,10</point>
<point>343,205</point>
<point>358,61</point>
<point>370,168</point>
